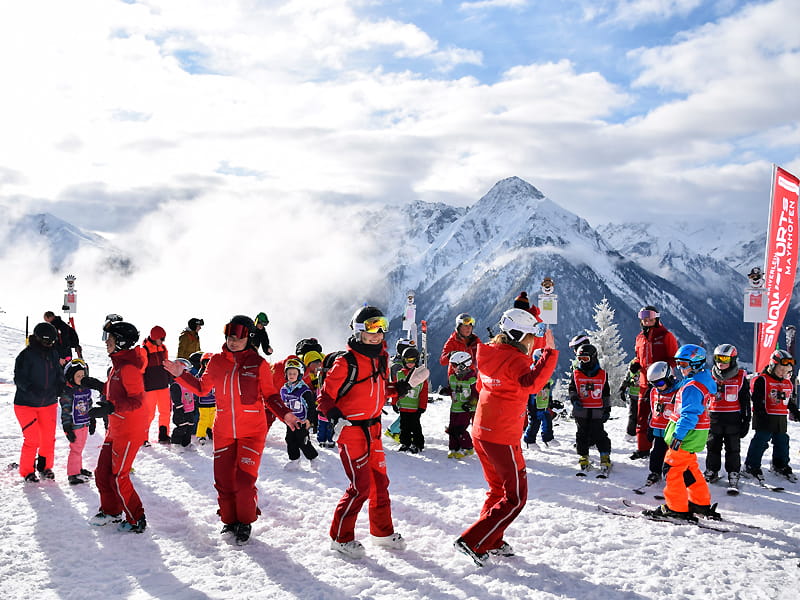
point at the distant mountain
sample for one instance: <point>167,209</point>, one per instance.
<point>61,241</point>
<point>477,261</point>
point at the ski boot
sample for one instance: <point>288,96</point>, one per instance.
<point>653,478</point>
<point>163,436</point>
<point>785,471</point>
<point>705,510</point>
<point>605,465</point>
<point>666,512</point>
<point>584,465</point>
<point>640,454</point>
<point>711,476</point>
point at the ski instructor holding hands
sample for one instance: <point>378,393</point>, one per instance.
<point>242,380</point>
<point>507,376</point>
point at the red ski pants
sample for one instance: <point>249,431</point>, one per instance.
<point>365,467</point>
<point>643,442</point>
<point>236,462</point>
<point>126,433</point>
<point>158,399</point>
<point>38,425</point>
<point>504,471</point>
<point>684,481</point>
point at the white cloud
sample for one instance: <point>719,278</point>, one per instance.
<point>306,98</point>
<point>639,11</point>
<point>487,4</point>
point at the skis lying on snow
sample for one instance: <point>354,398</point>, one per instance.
<point>632,511</point>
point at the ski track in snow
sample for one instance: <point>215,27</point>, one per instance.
<point>565,547</point>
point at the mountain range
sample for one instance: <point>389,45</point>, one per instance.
<point>477,259</point>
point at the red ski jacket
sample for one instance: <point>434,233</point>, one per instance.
<point>242,382</point>
<point>658,344</point>
<point>125,385</point>
<point>456,343</point>
<point>366,399</point>
<point>505,382</point>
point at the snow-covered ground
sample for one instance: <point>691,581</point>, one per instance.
<point>565,547</point>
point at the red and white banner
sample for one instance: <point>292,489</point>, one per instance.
<point>780,261</point>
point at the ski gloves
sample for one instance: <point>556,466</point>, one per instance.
<point>676,444</point>
<point>69,433</point>
<point>102,409</point>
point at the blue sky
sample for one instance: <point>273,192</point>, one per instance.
<point>663,108</point>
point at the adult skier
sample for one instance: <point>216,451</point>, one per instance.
<point>353,402</point>
<point>655,342</point>
<point>39,379</point>
<point>461,340</point>
<point>507,377</point>
<point>128,419</point>
<point>243,385</point>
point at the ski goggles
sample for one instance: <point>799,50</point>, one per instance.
<point>658,382</point>
<point>648,314</point>
<point>784,362</point>
<point>584,358</point>
<point>373,325</point>
<point>682,364</point>
<point>76,362</point>
<point>237,331</point>
<point>722,358</point>
<point>465,320</point>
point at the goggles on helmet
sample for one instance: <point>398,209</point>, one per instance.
<point>373,325</point>
<point>648,314</point>
<point>784,362</point>
<point>584,358</point>
<point>76,362</point>
<point>466,320</point>
<point>659,382</point>
<point>722,358</point>
<point>237,331</point>
<point>682,364</point>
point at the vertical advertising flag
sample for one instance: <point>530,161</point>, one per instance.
<point>780,261</point>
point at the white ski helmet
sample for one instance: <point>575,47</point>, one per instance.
<point>660,372</point>
<point>516,323</point>
<point>461,359</point>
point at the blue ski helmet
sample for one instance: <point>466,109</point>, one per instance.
<point>691,354</point>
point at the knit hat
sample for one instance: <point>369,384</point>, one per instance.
<point>522,301</point>
<point>311,356</point>
<point>158,333</point>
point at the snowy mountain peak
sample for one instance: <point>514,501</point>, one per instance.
<point>512,189</point>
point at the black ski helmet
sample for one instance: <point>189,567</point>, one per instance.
<point>363,314</point>
<point>242,321</point>
<point>72,367</point>
<point>411,353</point>
<point>125,335</point>
<point>194,322</point>
<point>195,358</point>
<point>46,333</point>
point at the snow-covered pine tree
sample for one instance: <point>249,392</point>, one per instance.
<point>608,342</point>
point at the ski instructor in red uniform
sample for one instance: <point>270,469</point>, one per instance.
<point>507,376</point>
<point>353,399</point>
<point>127,431</point>
<point>242,381</point>
<point>654,343</point>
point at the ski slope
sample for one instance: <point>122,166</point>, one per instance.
<point>565,547</point>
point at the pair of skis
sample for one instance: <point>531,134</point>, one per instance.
<point>634,511</point>
<point>602,473</point>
